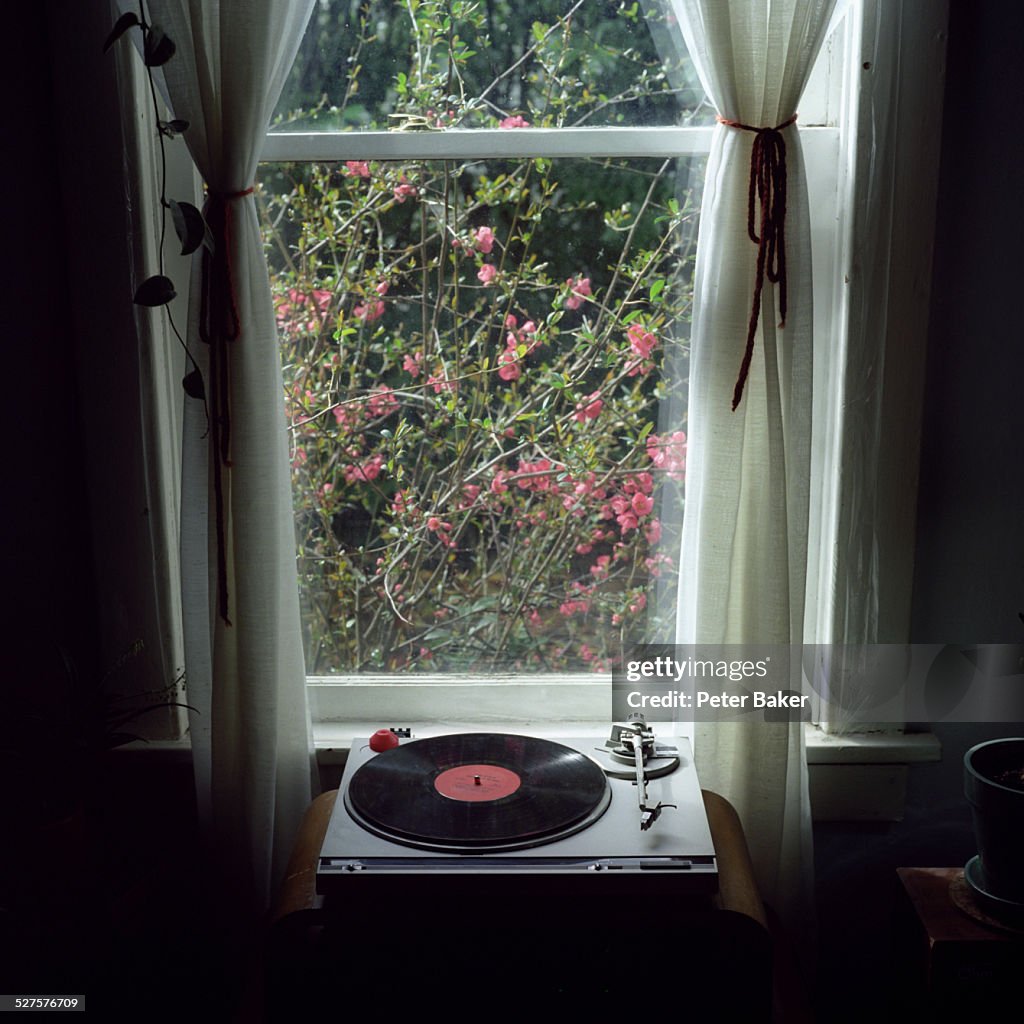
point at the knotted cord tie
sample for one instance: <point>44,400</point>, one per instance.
<point>218,325</point>
<point>768,186</point>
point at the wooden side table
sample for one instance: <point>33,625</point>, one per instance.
<point>322,954</point>
<point>953,965</point>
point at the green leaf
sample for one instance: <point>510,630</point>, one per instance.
<point>173,128</point>
<point>656,289</point>
<point>155,291</point>
<point>158,49</point>
<point>125,22</point>
<point>193,385</point>
<point>189,226</point>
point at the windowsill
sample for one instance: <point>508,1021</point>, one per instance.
<point>863,777</point>
<point>870,748</point>
<point>859,777</point>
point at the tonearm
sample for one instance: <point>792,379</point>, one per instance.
<point>633,740</point>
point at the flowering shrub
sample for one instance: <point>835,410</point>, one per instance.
<point>475,361</point>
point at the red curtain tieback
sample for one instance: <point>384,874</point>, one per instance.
<point>768,185</point>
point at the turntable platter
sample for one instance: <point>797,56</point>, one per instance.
<point>477,792</point>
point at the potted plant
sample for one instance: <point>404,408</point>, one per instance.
<point>994,786</point>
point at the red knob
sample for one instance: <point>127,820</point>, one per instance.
<point>383,739</point>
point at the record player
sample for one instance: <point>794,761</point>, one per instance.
<point>479,806</point>
<point>476,870</point>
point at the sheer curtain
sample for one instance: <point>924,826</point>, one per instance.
<point>243,648</point>
<point>744,548</point>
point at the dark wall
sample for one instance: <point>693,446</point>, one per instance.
<point>46,540</point>
<point>969,581</point>
<point>969,561</point>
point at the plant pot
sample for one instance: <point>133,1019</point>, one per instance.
<point>994,786</point>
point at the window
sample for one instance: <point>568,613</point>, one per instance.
<point>877,65</point>
<point>483,312</point>
<point>481,325</point>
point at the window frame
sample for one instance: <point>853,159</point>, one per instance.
<point>346,706</point>
<point>913,41</point>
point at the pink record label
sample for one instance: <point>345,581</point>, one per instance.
<point>477,782</point>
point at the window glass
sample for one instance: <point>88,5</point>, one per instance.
<point>485,359</point>
<point>428,64</point>
<point>483,366</point>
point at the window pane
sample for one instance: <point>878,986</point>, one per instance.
<point>482,367</point>
<point>485,63</point>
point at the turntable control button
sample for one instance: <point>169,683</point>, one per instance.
<point>383,739</point>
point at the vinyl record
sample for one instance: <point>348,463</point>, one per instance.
<point>477,792</point>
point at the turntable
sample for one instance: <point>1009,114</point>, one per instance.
<point>480,805</point>
<point>479,870</point>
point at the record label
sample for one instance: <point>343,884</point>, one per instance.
<point>474,782</point>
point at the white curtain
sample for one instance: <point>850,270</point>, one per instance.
<point>243,648</point>
<point>744,546</point>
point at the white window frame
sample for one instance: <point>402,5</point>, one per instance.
<point>344,707</point>
<point>851,227</point>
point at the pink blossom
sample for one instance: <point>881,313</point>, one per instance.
<point>487,273</point>
<point>498,485</point>
<point>381,288</point>
<point>642,504</point>
<point>668,453</point>
<point>369,470</point>
<point>534,476</point>
<point>357,168</point>
<point>568,608</point>
<point>528,336</point>
<point>369,311</point>
<point>579,289</point>
<point>470,492</point>
<point>403,190</point>
<point>620,503</point>
<point>382,402</point>
<point>652,531</point>
<point>413,364</point>
<point>300,304</point>
<point>440,384</point>
<point>347,415</point>
<point>641,342</point>
<point>525,338</point>
<point>510,369</point>
<point>483,239</point>
<point>627,521</point>
<point>590,408</point>
<point>516,121</point>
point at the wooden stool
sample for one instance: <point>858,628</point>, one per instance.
<point>726,943</point>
